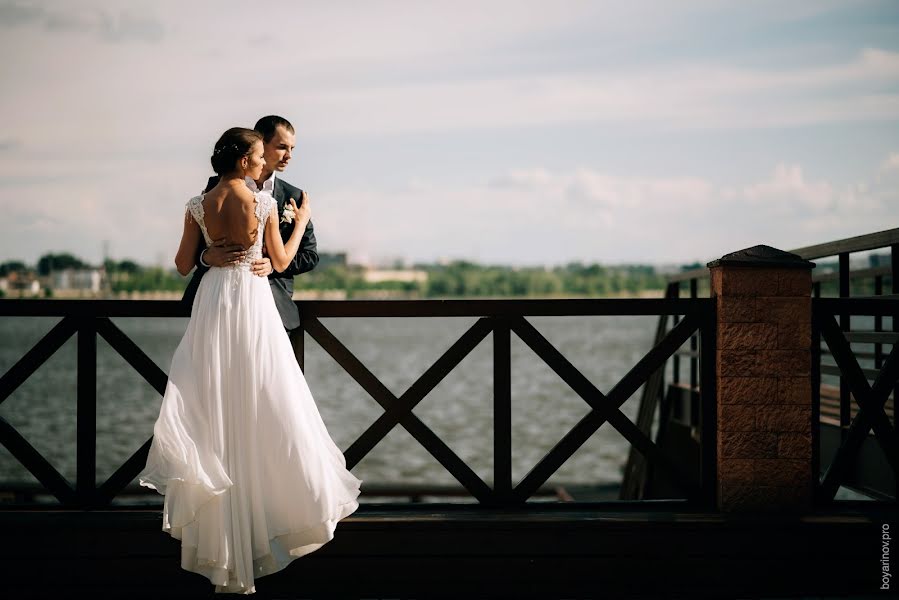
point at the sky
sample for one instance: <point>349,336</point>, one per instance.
<point>514,132</point>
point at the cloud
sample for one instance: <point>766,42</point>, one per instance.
<point>640,130</point>
<point>699,96</point>
<point>376,73</point>
<point>891,163</point>
<point>538,216</point>
<point>521,216</point>
<point>108,25</point>
<point>787,188</point>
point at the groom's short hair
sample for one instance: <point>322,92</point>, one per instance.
<point>267,125</point>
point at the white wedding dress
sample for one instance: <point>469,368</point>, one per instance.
<point>252,479</point>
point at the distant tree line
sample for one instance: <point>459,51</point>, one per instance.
<point>456,279</point>
<point>465,279</point>
<point>122,276</point>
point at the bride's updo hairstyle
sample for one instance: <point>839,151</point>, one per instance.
<point>231,147</point>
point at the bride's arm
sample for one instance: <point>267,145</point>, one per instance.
<point>282,254</point>
<point>190,238</point>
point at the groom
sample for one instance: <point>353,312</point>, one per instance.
<point>278,140</point>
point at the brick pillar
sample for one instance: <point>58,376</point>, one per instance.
<point>764,373</point>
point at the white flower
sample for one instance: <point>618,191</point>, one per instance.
<point>288,215</point>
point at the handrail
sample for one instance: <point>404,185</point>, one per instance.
<point>365,308</point>
<point>859,243</point>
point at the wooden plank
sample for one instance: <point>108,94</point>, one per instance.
<point>86,426</point>
<point>860,243</point>
<point>583,554</point>
<point>501,308</point>
<point>502,410</point>
<point>429,578</point>
<point>92,309</point>
<point>562,539</point>
<point>600,528</point>
<point>371,308</point>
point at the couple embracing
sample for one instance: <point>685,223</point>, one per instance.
<point>251,477</point>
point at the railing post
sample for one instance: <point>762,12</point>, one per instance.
<point>763,299</point>
<point>298,343</point>
<point>86,419</point>
<point>502,410</point>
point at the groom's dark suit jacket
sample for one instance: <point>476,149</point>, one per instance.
<point>281,283</point>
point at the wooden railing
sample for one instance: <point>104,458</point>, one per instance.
<point>846,465</point>
<point>834,405</point>
<point>496,318</point>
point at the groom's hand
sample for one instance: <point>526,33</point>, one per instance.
<point>220,255</point>
<point>262,267</point>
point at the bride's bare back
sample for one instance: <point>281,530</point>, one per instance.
<point>230,214</point>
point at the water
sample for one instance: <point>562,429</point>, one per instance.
<point>397,350</point>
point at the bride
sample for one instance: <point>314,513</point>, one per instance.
<point>252,480</point>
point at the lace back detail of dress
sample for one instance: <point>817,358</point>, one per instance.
<point>195,208</point>
<point>264,204</point>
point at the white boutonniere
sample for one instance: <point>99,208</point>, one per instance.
<point>288,215</point>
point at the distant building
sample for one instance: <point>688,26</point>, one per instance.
<point>77,281</point>
<point>20,284</point>
<point>331,259</point>
<point>401,275</point>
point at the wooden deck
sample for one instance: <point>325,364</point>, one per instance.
<point>635,550</point>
